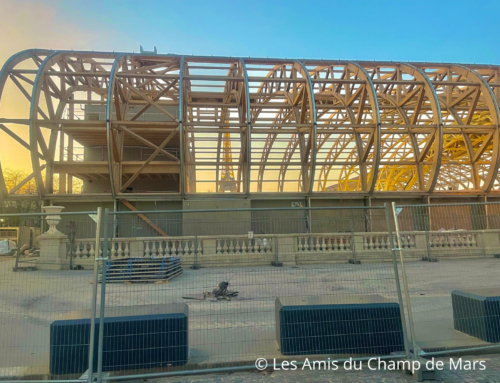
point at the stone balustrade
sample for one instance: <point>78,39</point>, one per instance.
<point>295,248</point>
<point>234,245</point>
<point>453,239</point>
<point>171,246</point>
<point>324,242</point>
<point>83,251</point>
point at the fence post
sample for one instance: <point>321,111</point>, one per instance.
<point>353,243</point>
<point>398,284</point>
<point>405,281</point>
<point>353,250</point>
<point>195,258</point>
<point>95,282</point>
<point>104,260</point>
<point>274,244</point>
<point>428,245</point>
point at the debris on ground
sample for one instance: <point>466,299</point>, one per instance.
<point>219,293</point>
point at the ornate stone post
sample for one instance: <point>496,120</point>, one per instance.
<point>53,243</point>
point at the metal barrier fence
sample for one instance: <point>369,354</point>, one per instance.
<point>296,259</point>
<point>156,281</point>
<point>452,276</point>
<point>180,292</point>
<point>41,286</point>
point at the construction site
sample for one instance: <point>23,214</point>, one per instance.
<point>149,131</point>
<point>166,215</point>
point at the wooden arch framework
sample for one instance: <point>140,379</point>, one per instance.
<point>169,125</point>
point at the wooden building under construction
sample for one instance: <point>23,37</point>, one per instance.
<point>174,131</point>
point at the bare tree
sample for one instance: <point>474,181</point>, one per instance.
<point>14,177</point>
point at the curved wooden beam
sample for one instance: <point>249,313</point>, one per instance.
<point>313,135</point>
<point>36,136</point>
<point>495,116</point>
<point>376,120</point>
<point>436,111</point>
<point>5,72</point>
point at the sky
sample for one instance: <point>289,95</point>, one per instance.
<point>450,31</point>
<point>439,31</point>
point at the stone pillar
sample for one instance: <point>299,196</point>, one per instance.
<point>286,250</point>
<point>489,242</point>
<point>422,247</point>
<point>137,249</point>
<point>209,257</point>
<point>53,252</point>
<point>358,246</point>
<point>53,243</point>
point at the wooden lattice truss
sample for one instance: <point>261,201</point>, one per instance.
<point>268,125</point>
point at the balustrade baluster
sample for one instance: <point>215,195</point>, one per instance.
<point>431,240</point>
<point>245,247</point>
<point>85,250</point>
<point>92,251</point>
<point>449,240</point>
<point>113,250</point>
<point>240,245</point>
<point>403,241</point>
<point>439,240</point>
<point>327,243</point>
<point>473,241</point>
<point>126,251</point>
<point>383,242</point>
<point>120,251</point>
<point>77,252</point>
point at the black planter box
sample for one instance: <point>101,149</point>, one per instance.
<point>361,324</point>
<point>139,337</point>
<point>477,313</point>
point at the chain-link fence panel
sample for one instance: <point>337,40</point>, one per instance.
<point>204,289</point>
<point>452,265</point>
<point>46,281</point>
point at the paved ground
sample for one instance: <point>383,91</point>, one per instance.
<point>243,329</point>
